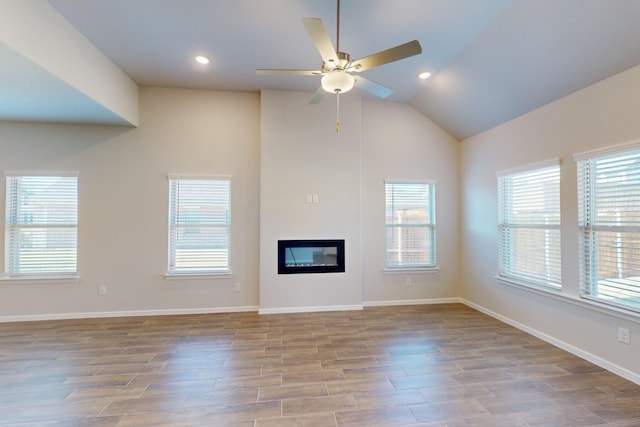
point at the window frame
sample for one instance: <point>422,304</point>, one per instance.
<point>174,272</point>
<point>590,227</point>
<point>13,226</point>
<point>430,205</point>
<point>507,259</point>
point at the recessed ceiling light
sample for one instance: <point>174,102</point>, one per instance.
<point>424,75</point>
<point>202,60</point>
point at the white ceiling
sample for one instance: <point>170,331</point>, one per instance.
<point>492,60</point>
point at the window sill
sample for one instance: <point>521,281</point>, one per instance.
<point>586,303</point>
<point>55,279</point>
<point>527,285</point>
<point>198,276</point>
<point>405,270</point>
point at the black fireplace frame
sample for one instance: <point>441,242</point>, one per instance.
<point>284,268</point>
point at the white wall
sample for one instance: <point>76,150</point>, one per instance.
<point>601,115</point>
<point>123,193</point>
<point>400,143</point>
<point>300,154</point>
<point>277,149</point>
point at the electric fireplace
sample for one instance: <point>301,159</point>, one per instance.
<point>310,256</point>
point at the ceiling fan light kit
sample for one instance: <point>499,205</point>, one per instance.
<point>337,82</point>
<point>337,66</point>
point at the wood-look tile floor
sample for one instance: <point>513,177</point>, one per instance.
<point>429,365</point>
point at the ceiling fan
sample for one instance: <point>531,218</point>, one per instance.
<point>337,67</point>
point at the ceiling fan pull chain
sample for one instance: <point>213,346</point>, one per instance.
<point>337,112</point>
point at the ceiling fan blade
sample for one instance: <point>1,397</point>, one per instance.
<point>318,96</point>
<point>372,87</point>
<point>289,72</point>
<point>320,39</point>
<point>394,54</point>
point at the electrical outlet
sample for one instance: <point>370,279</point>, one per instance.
<point>238,286</point>
<point>623,335</point>
<point>408,282</point>
<point>102,290</point>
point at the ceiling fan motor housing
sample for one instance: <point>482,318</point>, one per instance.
<point>344,60</point>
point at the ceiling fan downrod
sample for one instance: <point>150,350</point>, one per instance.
<point>338,28</point>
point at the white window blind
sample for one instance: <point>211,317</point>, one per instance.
<point>199,225</point>
<point>609,220</point>
<point>410,224</point>
<point>529,226</point>
<point>41,224</point>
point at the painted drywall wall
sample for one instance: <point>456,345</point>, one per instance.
<point>124,189</point>
<point>600,115</point>
<point>400,143</point>
<point>123,198</point>
<point>300,154</point>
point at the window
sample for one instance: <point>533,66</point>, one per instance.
<point>529,225</point>
<point>199,225</point>
<point>609,220</point>
<point>41,226</point>
<point>410,224</point>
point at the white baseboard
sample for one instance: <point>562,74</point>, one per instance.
<point>213,310</point>
<point>133,313</point>
<point>388,303</point>
<point>284,310</point>
<point>605,364</point>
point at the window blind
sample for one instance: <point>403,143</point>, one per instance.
<point>199,225</point>
<point>609,220</point>
<point>529,226</point>
<point>41,222</point>
<point>410,224</point>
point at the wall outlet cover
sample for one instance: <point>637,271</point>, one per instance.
<point>623,335</point>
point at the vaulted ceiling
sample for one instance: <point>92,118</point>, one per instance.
<point>491,60</point>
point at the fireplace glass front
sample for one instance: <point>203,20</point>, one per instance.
<point>310,256</point>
